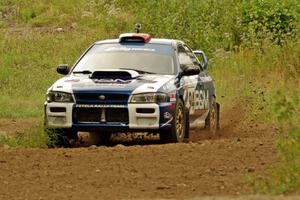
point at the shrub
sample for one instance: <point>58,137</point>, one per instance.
<point>274,19</point>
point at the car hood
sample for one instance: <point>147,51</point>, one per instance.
<point>141,83</point>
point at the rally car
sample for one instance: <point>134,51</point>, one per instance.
<point>133,84</point>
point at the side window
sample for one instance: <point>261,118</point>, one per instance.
<point>193,58</point>
<point>186,57</point>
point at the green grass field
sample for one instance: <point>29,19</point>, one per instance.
<point>253,49</point>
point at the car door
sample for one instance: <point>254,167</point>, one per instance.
<point>200,92</point>
<point>206,79</point>
<point>190,84</point>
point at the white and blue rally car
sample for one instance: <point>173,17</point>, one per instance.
<point>133,84</point>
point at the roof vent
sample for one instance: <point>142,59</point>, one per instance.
<point>114,74</point>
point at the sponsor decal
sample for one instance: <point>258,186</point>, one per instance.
<point>72,80</point>
<point>201,99</point>
<point>98,106</point>
<point>197,99</point>
<point>111,81</point>
<point>172,97</point>
<point>145,80</point>
<point>167,115</point>
<point>168,122</point>
<point>147,87</point>
<point>110,49</point>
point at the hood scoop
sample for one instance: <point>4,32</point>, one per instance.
<point>124,75</point>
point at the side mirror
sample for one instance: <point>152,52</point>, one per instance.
<point>204,59</point>
<point>190,71</point>
<point>63,69</point>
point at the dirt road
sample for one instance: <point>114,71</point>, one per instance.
<point>203,167</point>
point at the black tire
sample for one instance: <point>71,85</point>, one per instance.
<point>105,139</point>
<point>60,137</point>
<point>218,116</point>
<point>212,123</point>
<point>178,129</point>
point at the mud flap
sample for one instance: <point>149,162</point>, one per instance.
<point>218,116</point>
<point>187,126</point>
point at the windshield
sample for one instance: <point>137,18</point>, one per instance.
<point>143,57</point>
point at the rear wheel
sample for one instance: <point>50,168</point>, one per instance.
<point>178,129</point>
<point>212,121</point>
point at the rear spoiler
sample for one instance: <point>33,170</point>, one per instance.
<point>204,59</point>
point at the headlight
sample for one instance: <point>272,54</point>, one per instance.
<point>150,98</point>
<point>59,97</point>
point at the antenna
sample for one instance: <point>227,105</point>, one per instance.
<point>138,27</point>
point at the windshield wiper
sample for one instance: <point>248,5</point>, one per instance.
<point>82,72</point>
<point>137,70</point>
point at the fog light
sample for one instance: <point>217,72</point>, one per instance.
<point>59,120</point>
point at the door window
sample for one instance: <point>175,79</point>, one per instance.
<point>187,58</point>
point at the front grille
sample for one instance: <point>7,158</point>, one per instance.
<point>101,97</point>
<point>93,115</point>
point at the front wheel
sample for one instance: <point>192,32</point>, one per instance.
<point>178,128</point>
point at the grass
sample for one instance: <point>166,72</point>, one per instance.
<point>284,179</point>
<point>245,58</point>
<point>269,79</point>
<point>34,138</point>
<point>28,62</point>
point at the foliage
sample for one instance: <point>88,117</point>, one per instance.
<point>274,19</point>
<point>286,178</point>
<point>196,22</point>
<point>28,70</point>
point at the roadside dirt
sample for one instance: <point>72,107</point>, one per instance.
<point>206,166</point>
<point>9,127</point>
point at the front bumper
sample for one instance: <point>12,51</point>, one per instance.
<point>141,117</point>
<point>59,114</point>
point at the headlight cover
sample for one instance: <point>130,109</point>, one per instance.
<point>150,98</point>
<point>59,97</point>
